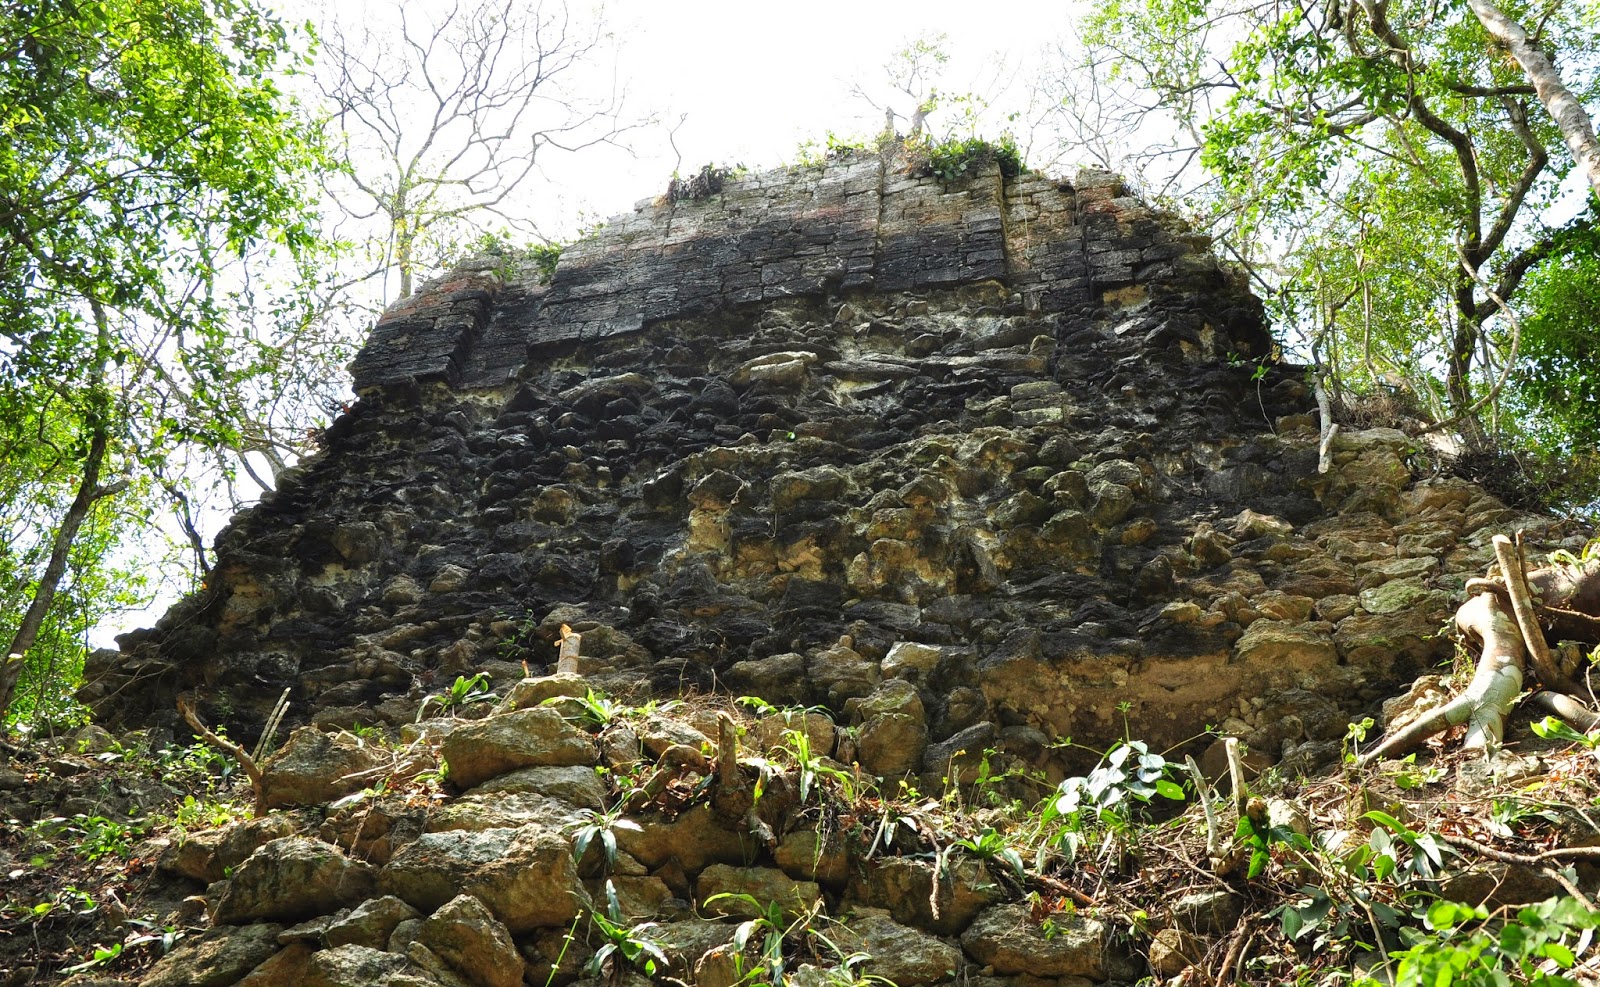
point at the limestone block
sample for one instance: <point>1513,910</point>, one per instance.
<point>313,768</point>
<point>292,878</point>
<point>1007,938</point>
<point>766,885</point>
<point>469,939</point>
<point>901,955</point>
<point>523,738</point>
<point>218,958</point>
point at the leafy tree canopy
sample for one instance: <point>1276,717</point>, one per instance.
<point>146,154</point>
<point>1385,166</point>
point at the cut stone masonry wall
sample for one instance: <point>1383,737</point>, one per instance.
<point>860,223</point>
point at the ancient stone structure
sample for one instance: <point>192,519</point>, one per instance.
<point>973,466</point>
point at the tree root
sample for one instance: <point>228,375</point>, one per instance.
<point>1575,713</point>
<point>1527,620</point>
<point>1504,617</point>
<point>1486,700</point>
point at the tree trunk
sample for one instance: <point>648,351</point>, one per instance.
<point>1577,129</point>
<point>1463,354</point>
<point>402,242</point>
<point>89,490</point>
<point>97,418</point>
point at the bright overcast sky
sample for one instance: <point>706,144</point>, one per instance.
<point>753,80</point>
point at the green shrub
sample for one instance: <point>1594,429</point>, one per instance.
<point>959,160</point>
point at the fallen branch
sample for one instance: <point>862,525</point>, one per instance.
<point>1202,792</point>
<point>1065,890</point>
<point>248,763</point>
<point>1241,798</point>
<point>274,720</point>
<point>1540,861</point>
<point>1531,859</point>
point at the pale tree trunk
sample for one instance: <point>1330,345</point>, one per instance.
<point>1577,129</point>
<point>403,235</point>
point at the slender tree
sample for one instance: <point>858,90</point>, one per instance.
<point>1383,165</point>
<point>147,148</point>
<point>441,121</point>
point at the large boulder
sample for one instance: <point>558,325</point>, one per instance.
<point>473,943</point>
<point>370,923</point>
<point>356,966</point>
<point>1007,938</point>
<point>894,730</point>
<point>901,955</point>
<point>906,888</point>
<point>693,838</point>
<point>526,876</point>
<point>217,959</point>
<point>578,784</point>
<point>754,889</point>
<point>314,767</point>
<point>523,738</point>
<point>293,878</point>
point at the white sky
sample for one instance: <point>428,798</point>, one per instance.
<point>753,80</point>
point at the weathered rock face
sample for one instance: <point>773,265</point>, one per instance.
<point>1000,442</point>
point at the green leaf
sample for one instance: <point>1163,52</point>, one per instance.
<point>1563,956</point>
<point>1551,728</point>
<point>1448,914</point>
<point>1390,822</point>
<point>1292,923</point>
<point>1258,863</point>
<point>1383,867</point>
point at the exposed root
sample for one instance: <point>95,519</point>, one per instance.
<point>1528,620</point>
<point>1484,703</point>
<point>1507,618</point>
<point>1575,713</point>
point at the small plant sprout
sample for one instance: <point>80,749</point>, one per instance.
<point>1409,776</point>
<point>463,692</point>
<point>1129,771</point>
<point>101,956</point>
<point>622,945</point>
<point>601,826</point>
<point>1107,798</point>
<point>990,845</point>
<point>1530,947</point>
<point>769,927</point>
<point>598,709</point>
<point>813,767</point>
<point>1354,736</point>
<point>1551,728</point>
